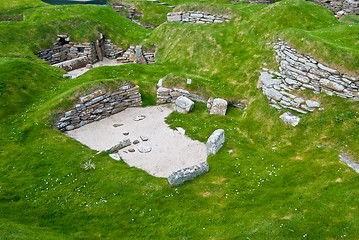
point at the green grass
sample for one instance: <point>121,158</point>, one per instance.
<point>269,181</point>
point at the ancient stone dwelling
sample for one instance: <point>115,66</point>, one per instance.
<point>71,55</point>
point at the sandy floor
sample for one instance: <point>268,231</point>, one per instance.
<point>104,62</point>
<point>170,150</point>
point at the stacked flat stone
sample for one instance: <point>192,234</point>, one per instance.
<point>279,96</point>
<point>112,51</point>
<point>196,17</point>
<point>167,95</point>
<point>131,56</point>
<point>298,71</point>
<point>98,105</point>
<point>60,53</point>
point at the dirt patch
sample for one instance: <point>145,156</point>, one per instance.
<point>159,151</point>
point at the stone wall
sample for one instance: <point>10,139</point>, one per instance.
<point>167,95</point>
<point>60,53</point>
<point>196,17</point>
<point>70,56</point>
<point>298,71</point>
<point>98,105</point>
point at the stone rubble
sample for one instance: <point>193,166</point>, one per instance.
<point>215,142</point>
<point>184,105</point>
<point>98,105</point>
<point>178,177</point>
<point>196,17</point>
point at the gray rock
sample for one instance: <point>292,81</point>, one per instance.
<point>124,143</point>
<point>140,59</point>
<point>136,142</point>
<point>117,125</point>
<point>125,133</point>
<point>144,149</point>
<point>143,138</point>
<point>272,93</point>
<point>325,68</point>
<point>268,80</point>
<point>184,104</point>
<point>115,156</point>
<point>139,117</point>
<point>219,106</point>
<point>312,104</point>
<point>131,150</point>
<point>209,103</point>
<point>178,177</point>
<point>215,142</point>
<point>350,163</point>
<point>290,119</point>
<point>159,84</point>
<point>332,85</point>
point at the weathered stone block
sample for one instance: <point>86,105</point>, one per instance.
<point>186,174</point>
<point>332,85</point>
<point>184,104</point>
<point>215,142</point>
<point>290,119</point>
<point>124,143</point>
<point>219,106</point>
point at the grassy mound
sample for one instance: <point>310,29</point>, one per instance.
<point>82,22</point>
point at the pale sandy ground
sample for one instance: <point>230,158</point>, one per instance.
<point>171,151</point>
<point>104,62</point>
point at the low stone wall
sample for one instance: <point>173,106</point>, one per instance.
<point>72,64</point>
<point>60,53</point>
<point>167,95</point>
<point>98,105</point>
<point>196,17</point>
<point>135,54</point>
<point>298,71</point>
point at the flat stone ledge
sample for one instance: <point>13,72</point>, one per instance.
<point>178,177</point>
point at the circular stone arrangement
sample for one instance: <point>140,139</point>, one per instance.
<point>155,147</point>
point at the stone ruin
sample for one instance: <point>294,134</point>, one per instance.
<point>99,105</point>
<point>302,72</point>
<point>70,55</point>
<point>196,17</point>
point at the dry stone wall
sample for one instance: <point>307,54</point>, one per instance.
<point>167,95</point>
<point>98,105</point>
<point>196,17</point>
<point>298,71</point>
<point>69,55</point>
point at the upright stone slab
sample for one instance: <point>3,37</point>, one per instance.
<point>186,174</point>
<point>139,55</point>
<point>184,104</point>
<point>219,107</point>
<point>215,142</point>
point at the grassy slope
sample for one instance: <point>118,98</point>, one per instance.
<point>82,22</point>
<point>279,182</point>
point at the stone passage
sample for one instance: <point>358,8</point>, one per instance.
<point>186,174</point>
<point>70,56</point>
<point>167,95</point>
<point>98,105</point>
<point>196,17</point>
